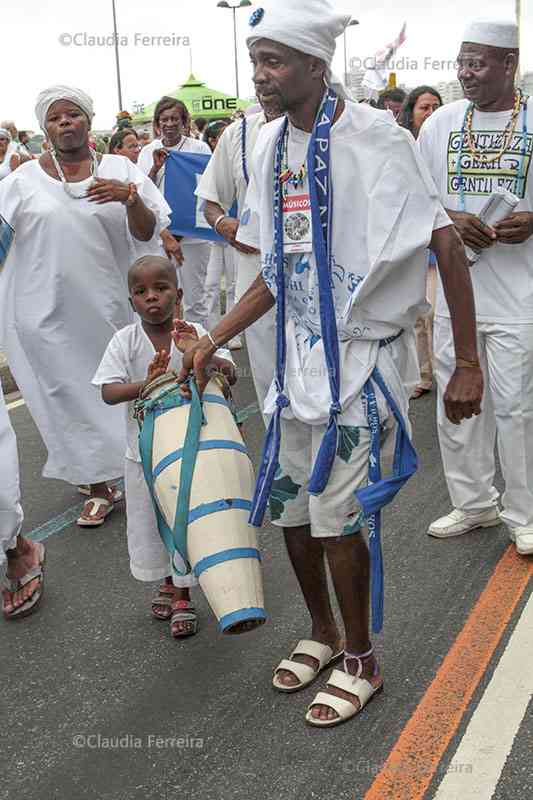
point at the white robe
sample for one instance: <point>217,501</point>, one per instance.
<point>63,294</point>
<point>385,208</point>
<point>10,509</point>
<point>223,182</point>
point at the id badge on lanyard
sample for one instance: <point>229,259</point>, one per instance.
<point>297,224</point>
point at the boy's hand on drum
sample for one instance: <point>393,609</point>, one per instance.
<point>158,366</point>
<point>184,335</point>
<point>226,368</point>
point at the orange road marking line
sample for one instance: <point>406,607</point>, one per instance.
<point>414,759</point>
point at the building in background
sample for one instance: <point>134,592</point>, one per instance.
<point>450,91</point>
<point>354,83</point>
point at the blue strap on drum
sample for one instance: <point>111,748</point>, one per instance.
<point>176,539</point>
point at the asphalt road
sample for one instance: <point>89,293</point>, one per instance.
<point>99,702</point>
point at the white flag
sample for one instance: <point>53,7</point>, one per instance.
<point>375,79</point>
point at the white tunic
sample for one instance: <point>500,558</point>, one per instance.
<point>185,145</point>
<point>384,211</point>
<point>63,294</point>
<point>126,360</point>
<point>223,180</point>
<point>503,276</point>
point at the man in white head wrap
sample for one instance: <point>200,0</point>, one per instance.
<point>10,159</point>
<point>477,148</point>
<point>80,222</point>
<point>382,213</point>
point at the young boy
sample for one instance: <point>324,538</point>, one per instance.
<point>135,356</point>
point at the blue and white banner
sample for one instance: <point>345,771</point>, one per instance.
<point>182,174</point>
<point>7,235</point>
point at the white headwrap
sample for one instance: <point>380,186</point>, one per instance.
<point>55,93</point>
<point>5,133</point>
<point>310,26</point>
<point>493,32</point>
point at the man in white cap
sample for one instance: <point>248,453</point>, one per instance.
<point>343,211</point>
<point>225,181</point>
<point>475,148</point>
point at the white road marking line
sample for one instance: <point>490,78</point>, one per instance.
<point>489,737</point>
<point>15,404</point>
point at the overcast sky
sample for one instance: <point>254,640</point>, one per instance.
<point>33,56</point>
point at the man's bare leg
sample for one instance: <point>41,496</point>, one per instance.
<point>349,563</point>
<point>307,558</point>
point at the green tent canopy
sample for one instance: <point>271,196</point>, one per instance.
<point>200,101</point>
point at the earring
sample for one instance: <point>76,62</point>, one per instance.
<point>325,80</point>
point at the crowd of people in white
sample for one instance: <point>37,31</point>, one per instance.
<point>328,308</point>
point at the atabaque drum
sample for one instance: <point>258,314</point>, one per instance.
<point>201,480</point>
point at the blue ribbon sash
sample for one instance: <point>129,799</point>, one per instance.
<point>380,492</point>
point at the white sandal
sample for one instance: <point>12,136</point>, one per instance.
<point>305,674</point>
<point>92,521</point>
<point>362,689</point>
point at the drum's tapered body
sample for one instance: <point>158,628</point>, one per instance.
<point>202,484</point>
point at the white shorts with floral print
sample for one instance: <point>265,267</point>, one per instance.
<point>336,511</point>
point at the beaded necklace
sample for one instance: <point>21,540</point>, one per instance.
<point>287,176</point>
<point>62,178</point>
<point>482,157</point>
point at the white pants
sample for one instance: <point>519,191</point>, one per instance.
<point>192,275</point>
<point>506,356</point>
<point>424,333</point>
<point>10,508</point>
<point>149,559</point>
<point>221,262</point>
<point>261,336</point>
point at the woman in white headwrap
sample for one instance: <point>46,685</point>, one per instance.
<point>81,219</point>
<point>9,159</point>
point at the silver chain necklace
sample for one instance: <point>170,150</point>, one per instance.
<point>62,178</point>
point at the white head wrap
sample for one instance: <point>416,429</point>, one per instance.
<point>310,27</point>
<point>55,93</point>
<point>5,134</point>
<point>501,33</point>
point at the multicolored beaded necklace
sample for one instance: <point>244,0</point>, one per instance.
<point>287,176</point>
<point>485,160</point>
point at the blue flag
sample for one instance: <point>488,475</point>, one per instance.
<point>7,234</point>
<point>182,173</point>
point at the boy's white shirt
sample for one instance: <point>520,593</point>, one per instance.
<point>126,360</point>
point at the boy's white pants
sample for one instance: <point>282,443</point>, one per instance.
<point>149,559</point>
<point>506,356</point>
